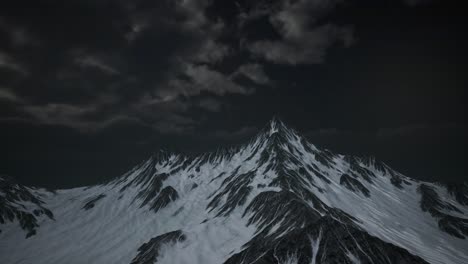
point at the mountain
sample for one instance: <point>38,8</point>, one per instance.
<point>274,199</point>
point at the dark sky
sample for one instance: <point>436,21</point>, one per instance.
<point>90,88</point>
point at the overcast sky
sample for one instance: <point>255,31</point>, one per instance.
<point>90,88</point>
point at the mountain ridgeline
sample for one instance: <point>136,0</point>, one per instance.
<point>275,199</point>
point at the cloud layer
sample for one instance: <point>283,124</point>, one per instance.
<point>88,64</point>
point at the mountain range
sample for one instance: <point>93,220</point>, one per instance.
<point>275,199</point>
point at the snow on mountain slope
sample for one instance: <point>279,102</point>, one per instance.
<point>275,199</point>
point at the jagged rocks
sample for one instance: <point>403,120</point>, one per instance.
<point>459,192</point>
<point>149,252</point>
<point>152,188</point>
<point>353,185</point>
<point>397,180</point>
<point>11,208</point>
<point>329,240</point>
<point>235,189</point>
<point>431,202</point>
<point>166,196</point>
<point>455,226</point>
<point>357,170</point>
<point>283,210</point>
<point>325,157</point>
<point>277,199</point>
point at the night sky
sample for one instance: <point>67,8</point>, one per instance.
<point>90,88</point>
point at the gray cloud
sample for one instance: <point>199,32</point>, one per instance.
<point>303,41</point>
<point>310,48</point>
<point>211,52</point>
<point>210,104</point>
<point>175,124</point>
<point>11,64</point>
<point>200,78</point>
<point>8,95</point>
<point>254,72</point>
<point>62,114</point>
<point>90,61</point>
<point>154,62</point>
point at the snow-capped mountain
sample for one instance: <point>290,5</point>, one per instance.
<point>275,199</point>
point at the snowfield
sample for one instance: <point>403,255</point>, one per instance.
<point>275,199</point>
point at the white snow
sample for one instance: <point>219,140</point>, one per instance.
<point>112,231</point>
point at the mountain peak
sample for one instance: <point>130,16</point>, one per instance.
<point>276,126</point>
<point>285,200</point>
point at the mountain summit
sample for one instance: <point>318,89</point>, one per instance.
<point>275,199</point>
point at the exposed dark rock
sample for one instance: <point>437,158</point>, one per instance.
<point>328,240</point>
<point>325,157</point>
<point>13,195</point>
<point>317,173</point>
<point>455,226</point>
<point>358,170</point>
<point>431,202</point>
<point>372,162</point>
<point>144,176</point>
<point>292,224</point>
<point>152,189</point>
<point>167,195</point>
<point>235,189</point>
<point>178,211</point>
<point>254,152</point>
<point>148,253</point>
<point>396,181</point>
<point>220,175</point>
<point>354,185</point>
<point>278,155</point>
<point>281,209</point>
<point>92,202</point>
<point>459,191</point>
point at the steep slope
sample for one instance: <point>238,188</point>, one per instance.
<point>19,204</point>
<point>275,199</point>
